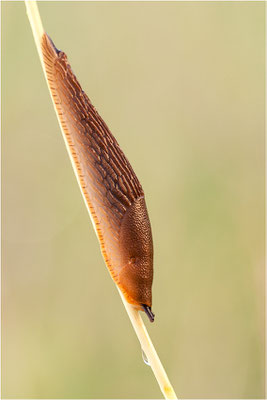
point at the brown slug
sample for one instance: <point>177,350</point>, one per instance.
<point>110,187</point>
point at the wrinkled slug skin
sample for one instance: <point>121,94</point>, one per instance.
<point>112,191</point>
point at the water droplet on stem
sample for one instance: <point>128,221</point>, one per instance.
<point>145,358</point>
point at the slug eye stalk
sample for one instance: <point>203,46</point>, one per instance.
<point>149,312</point>
<point>112,193</point>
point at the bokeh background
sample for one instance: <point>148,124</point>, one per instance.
<point>181,86</point>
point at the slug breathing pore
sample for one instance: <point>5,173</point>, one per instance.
<point>111,190</point>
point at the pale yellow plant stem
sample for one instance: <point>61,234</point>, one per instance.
<point>149,350</point>
<point>136,320</point>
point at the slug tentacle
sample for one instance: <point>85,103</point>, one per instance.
<point>149,312</point>
<point>113,193</point>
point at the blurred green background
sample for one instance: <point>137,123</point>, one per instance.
<point>181,86</point>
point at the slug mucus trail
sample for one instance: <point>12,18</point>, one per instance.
<point>113,193</point>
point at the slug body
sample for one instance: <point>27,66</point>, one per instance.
<point>112,192</point>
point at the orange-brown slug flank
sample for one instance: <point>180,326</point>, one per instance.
<point>110,187</point>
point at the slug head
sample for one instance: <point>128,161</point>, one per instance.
<point>136,248</point>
